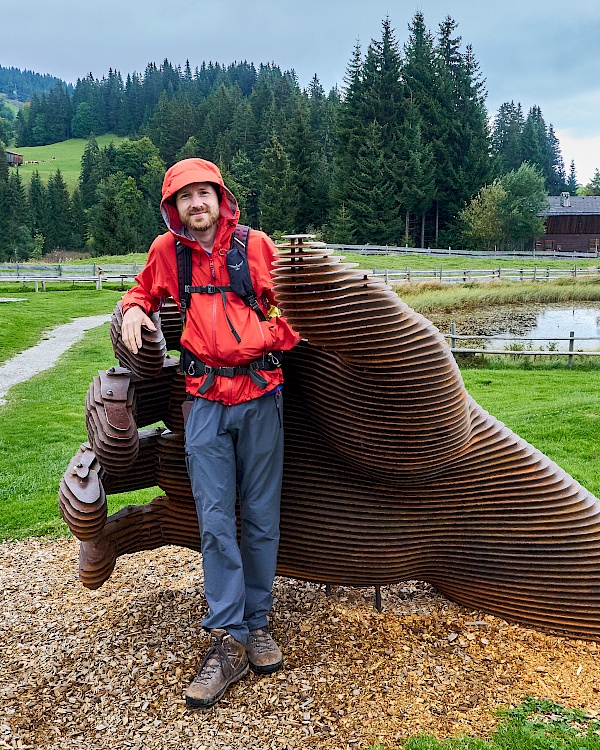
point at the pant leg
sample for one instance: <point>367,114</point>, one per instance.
<point>210,458</point>
<point>259,453</point>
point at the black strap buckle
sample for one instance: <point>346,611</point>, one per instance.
<point>227,372</point>
<point>211,289</point>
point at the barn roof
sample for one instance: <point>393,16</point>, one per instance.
<point>581,205</point>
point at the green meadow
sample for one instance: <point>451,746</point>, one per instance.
<point>65,156</point>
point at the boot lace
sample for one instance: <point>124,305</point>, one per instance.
<point>262,641</point>
<point>214,659</point>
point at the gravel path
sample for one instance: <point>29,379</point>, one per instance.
<point>44,355</point>
<point>107,668</point>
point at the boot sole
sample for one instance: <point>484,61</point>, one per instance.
<point>266,669</point>
<point>208,702</point>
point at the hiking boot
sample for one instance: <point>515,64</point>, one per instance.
<point>264,654</point>
<point>224,663</point>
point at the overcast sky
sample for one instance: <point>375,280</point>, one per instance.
<point>542,52</point>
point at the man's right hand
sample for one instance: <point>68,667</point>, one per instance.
<point>131,329</point>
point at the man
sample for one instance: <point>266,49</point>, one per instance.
<point>234,432</point>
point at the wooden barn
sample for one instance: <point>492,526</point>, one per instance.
<point>14,159</point>
<point>572,224</point>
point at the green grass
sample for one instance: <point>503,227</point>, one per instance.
<point>41,428</point>
<point>534,725</point>
<point>555,409</point>
<point>24,322</point>
<point>460,262</point>
<point>558,411</point>
<point>65,156</point>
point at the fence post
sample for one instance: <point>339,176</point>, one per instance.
<point>575,270</point>
<point>59,270</point>
<point>43,286</point>
<point>387,275</point>
<point>36,286</point>
<point>548,272</point>
<point>94,270</point>
<point>535,273</point>
<point>521,274</point>
<point>441,270</point>
<point>571,347</point>
<point>408,273</point>
<point>99,283</point>
<point>453,335</point>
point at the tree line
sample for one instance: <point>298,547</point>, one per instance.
<point>392,158</point>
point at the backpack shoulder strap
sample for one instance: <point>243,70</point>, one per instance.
<point>184,276</point>
<point>240,237</point>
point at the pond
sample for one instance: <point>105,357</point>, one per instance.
<point>532,321</point>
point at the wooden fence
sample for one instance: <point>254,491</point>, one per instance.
<point>570,353</point>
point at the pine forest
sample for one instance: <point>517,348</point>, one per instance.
<point>394,156</point>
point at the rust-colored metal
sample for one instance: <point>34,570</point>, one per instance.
<point>391,470</point>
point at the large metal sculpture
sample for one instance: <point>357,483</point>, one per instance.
<point>392,471</point>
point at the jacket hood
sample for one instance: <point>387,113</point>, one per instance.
<point>185,173</point>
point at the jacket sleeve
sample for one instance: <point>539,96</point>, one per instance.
<point>154,283</point>
<point>277,329</point>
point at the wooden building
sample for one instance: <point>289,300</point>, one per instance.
<point>14,159</point>
<point>572,224</point>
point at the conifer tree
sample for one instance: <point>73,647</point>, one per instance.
<point>572,184</point>
<point>275,205</point>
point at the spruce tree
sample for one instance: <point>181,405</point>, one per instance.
<point>572,184</point>
<point>275,205</point>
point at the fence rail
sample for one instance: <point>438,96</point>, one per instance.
<point>570,353</point>
<point>469,275</point>
<point>41,281</point>
<point>450,251</point>
<point>408,275</point>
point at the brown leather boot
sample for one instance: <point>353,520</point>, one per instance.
<point>224,663</point>
<point>263,653</point>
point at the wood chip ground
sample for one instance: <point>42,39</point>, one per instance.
<point>107,668</point>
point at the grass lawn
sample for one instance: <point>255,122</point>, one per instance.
<point>24,322</point>
<point>42,425</point>
<point>460,262</point>
<point>41,428</point>
<point>65,156</point>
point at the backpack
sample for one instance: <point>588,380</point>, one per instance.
<point>240,282</point>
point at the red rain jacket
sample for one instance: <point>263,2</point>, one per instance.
<point>207,333</point>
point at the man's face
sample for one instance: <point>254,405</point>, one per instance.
<point>198,206</point>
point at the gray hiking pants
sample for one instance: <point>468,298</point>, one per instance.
<point>227,446</point>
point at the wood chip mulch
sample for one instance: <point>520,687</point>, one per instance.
<point>107,668</point>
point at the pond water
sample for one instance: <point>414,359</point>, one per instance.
<point>509,322</point>
<point>555,324</point>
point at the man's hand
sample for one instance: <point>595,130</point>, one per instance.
<point>131,330</point>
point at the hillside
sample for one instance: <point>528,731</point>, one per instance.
<point>65,156</point>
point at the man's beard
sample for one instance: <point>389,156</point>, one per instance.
<point>201,222</point>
